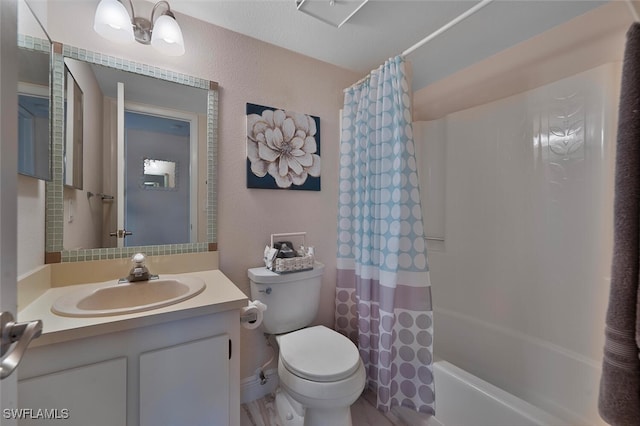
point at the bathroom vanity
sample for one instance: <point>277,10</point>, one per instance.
<point>174,365</point>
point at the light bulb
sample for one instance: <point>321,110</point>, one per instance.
<point>112,21</point>
<point>166,36</point>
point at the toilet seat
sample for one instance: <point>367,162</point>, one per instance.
<point>318,354</point>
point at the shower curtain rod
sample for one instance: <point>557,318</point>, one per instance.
<point>437,32</point>
<point>474,9</point>
<point>446,26</point>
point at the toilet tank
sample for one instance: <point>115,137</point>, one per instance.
<point>292,299</point>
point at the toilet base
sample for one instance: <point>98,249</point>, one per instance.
<point>328,416</point>
<point>289,411</point>
<point>292,413</point>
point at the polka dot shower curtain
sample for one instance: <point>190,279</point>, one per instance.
<point>383,293</point>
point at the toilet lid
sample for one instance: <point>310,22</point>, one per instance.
<point>319,354</point>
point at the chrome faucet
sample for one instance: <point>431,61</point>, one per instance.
<point>139,272</point>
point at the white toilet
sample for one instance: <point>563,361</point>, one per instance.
<point>320,371</point>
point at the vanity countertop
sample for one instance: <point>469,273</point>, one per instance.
<point>219,295</point>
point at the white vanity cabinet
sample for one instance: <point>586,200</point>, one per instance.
<point>94,394</point>
<point>178,386</point>
<point>166,369</point>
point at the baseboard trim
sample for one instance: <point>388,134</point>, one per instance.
<point>251,389</point>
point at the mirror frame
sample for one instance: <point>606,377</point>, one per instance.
<point>54,248</point>
<point>37,44</point>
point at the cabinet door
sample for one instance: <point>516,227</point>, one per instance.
<point>93,394</point>
<point>186,384</point>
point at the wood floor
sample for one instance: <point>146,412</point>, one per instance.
<point>262,413</point>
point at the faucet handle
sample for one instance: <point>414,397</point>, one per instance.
<point>139,272</point>
<point>138,258</point>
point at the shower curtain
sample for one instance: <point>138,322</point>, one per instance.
<point>383,293</point>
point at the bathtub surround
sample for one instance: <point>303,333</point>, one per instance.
<point>619,401</point>
<point>521,285</point>
<point>383,295</point>
<point>492,288</point>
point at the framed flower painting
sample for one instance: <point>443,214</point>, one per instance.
<point>283,149</point>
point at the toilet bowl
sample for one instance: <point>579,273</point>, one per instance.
<point>320,370</point>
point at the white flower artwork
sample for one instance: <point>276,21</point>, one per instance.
<point>283,149</point>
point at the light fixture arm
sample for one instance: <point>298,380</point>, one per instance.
<point>167,12</point>
<point>133,12</point>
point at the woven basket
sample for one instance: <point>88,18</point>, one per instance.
<point>292,264</point>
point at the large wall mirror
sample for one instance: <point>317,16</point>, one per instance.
<point>34,72</point>
<point>148,171</point>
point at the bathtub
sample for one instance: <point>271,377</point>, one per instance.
<point>465,400</point>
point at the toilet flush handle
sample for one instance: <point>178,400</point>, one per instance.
<point>267,290</point>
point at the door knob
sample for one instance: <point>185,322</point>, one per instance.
<point>121,233</point>
<point>11,332</point>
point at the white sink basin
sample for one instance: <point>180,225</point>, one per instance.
<point>111,298</point>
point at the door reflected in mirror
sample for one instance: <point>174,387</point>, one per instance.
<point>159,192</point>
<point>74,123</point>
<point>33,114</point>
<point>33,136</point>
<point>34,93</point>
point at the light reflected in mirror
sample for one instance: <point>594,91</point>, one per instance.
<point>159,173</point>
<point>190,104</point>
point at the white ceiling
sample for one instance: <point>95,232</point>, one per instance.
<point>385,28</point>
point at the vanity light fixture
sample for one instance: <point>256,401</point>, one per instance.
<point>113,22</point>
